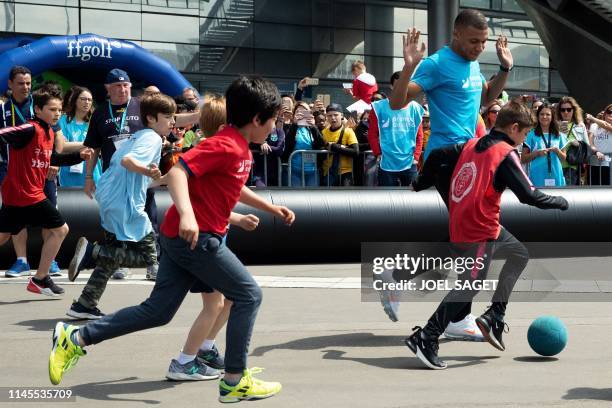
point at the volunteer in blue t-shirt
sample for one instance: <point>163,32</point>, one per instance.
<point>74,124</point>
<point>455,90</point>
<point>544,150</point>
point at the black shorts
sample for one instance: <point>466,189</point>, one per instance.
<point>201,287</point>
<point>42,214</point>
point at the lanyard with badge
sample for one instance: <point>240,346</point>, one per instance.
<point>18,112</point>
<point>548,182</point>
<point>121,125</point>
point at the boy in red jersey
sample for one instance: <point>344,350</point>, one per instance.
<point>483,168</point>
<point>23,201</point>
<point>205,186</point>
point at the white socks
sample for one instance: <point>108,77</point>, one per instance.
<point>207,345</point>
<point>23,259</point>
<point>185,358</point>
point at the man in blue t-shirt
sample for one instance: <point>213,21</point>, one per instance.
<point>455,90</point>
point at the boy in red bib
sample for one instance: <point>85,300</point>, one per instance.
<point>23,201</point>
<point>483,168</point>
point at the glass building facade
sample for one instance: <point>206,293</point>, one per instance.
<point>210,41</point>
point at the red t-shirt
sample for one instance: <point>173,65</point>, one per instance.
<point>218,167</point>
<point>474,204</point>
<point>28,167</point>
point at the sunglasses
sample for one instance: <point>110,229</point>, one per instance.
<point>85,99</point>
<point>609,112</point>
<point>566,109</point>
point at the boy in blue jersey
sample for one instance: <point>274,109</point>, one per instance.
<point>455,90</point>
<point>129,239</point>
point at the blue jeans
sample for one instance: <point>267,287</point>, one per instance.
<point>396,178</point>
<point>212,263</point>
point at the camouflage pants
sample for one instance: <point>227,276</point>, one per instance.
<point>109,256</point>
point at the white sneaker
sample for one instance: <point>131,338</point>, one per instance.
<point>389,298</point>
<point>466,330</point>
<point>121,273</point>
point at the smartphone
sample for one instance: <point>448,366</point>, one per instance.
<point>306,117</point>
<point>312,81</point>
<point>563,126</point>
<point>347,85</point>
<point>286,105</point>
<point>325,98</point>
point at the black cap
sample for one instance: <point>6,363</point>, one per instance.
<point>334,107</point>
<point>117,75</point>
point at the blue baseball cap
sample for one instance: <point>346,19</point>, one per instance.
<point>117,75</point>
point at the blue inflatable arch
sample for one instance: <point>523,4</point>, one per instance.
<point>90,50</point>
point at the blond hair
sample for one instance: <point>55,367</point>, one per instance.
<point>214,114</point>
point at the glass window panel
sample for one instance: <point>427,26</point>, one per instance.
<point>7,17</point>
<point>238,10</point>
<point>183,57</point>
<point>125,25</point>
<point>229,60</point>
<point>483,4</point>
<point>283,63</point>
<point>282,37</point>
<point>282,11</point>
<point>349,15</point>
<point>544,58</point>
<point>237,33</point>
<point>190,7</point>
<point>388,18</point>
<point>523,54</point>
<point>384,44</point>
<point>72,3</point>
<point>335,66</point>
<point>46,20</point>
<point>420,21</point>
<point>521,78</point>
<point>180,29</point>
<point>122,5</point>
<point>511,5</point>
<point>348,41</point>
<point>321,13</point>
<point>322,39</point>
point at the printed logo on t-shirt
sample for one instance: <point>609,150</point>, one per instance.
<point>244,167</point>
<point>41,158</point>
<point>463,182</point>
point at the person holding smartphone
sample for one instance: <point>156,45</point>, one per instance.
<point>303,135</point>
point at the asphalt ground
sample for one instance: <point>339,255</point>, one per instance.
<point>328,347</point>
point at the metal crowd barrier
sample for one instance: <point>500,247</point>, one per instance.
<point>265,165</point>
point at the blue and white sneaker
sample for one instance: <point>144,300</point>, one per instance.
<point>389,299</point>
<point>191,371</point>
<point>54,269</point>
<point>18,269</point>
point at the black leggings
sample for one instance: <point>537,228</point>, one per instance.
<point>455,302</point>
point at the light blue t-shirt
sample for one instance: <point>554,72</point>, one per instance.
<point>74,176</point>
<point>538,167</point>
<point>121,194</point>
<point>303,141</point>
<point>397,130</point>
<point>453,86</point>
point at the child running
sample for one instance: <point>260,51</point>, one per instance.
<point>205,186</point>
<point>24,202</point>
<point>481,171</point>
<point>129,239</point>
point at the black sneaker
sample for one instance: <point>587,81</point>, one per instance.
<point>425,348</point>
<point>78,311</point>
<point>212,358</point>
<point>45,286</point>
<point>81,259</point>
<point>492,329</point>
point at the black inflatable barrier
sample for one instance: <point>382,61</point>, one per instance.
<point>331,224</point>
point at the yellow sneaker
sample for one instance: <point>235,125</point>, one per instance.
<point>248,388</point>
<point>64,354</point>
